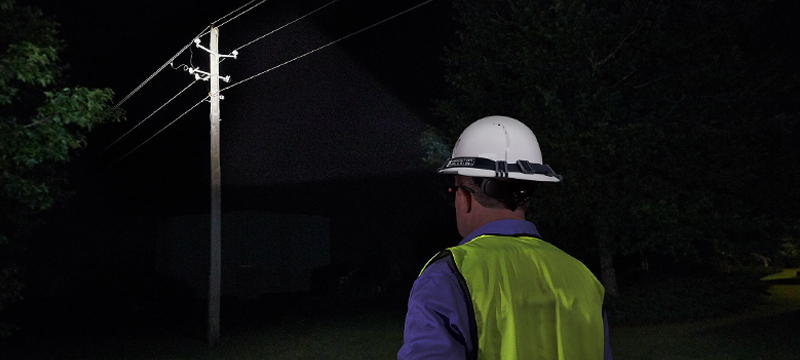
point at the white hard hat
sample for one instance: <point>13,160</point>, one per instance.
<point>498,147</point>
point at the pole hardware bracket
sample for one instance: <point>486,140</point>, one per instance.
<point>233,54</point>
<point>205,76</point>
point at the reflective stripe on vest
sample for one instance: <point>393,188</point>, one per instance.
<point>529,299</point>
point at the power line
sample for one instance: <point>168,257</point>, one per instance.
<point>231,19</point>
<point>326,45</point>
<point>287,24</point>
<point>241,13</point>
<point>200,34</point>
<point>145,119</point>
<point>159,131</point>
<point>263,72</point>
<point>237,9</point>
<point>169,62</point>
<point>152,76</point>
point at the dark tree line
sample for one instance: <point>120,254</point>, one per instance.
<point>43,122</point>
<point>673,123</point>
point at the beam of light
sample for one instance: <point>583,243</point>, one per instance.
<point>169,62</point>
<point>326,45</point>
<point>287,24</point>
<point>265,71</point>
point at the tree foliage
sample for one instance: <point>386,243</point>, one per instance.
<point>42,123</point>
<point>662,117</point>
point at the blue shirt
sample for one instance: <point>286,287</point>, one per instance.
<point>437,323</point>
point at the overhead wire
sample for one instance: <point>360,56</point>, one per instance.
<point>231,19</point>
<point>265,71</point>
<point>151,76</point>
<point>237,9</point>
<point>200,34</point>
<point>240,14</point>
<point>159,131</point>
<point>188,46</point>
<point>285,25</point>
<point>170,63</point>
<point>326,45</point>
<point>145,119</point>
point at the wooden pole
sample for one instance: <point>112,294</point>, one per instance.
<point>214,278</point>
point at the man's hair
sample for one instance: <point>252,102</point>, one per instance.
<point>489,202</point>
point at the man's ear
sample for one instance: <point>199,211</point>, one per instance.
<point>467,199</point>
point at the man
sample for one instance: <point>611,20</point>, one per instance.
<point>502,293</point>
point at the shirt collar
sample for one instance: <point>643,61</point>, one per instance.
<point>503,227</point>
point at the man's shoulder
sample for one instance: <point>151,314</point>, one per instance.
<point>438,264</point>
<point>437,274</point>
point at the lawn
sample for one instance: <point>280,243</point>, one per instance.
<point>375,332</point>
<point>278,330</point>
<point>771,332</point>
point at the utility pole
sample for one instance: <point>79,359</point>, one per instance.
<point>215,268</point>
<point>215,278</point>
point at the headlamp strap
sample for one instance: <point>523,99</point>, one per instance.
<point>501,168</point>
<point>513,196</point>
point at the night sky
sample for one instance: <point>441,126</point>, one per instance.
<point>334,134</point>
<point>331,139</point>
<point>352,110</point>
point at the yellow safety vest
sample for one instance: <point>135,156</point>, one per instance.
<point>528,299</point>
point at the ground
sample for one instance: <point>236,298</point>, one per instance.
<point>289,328</point>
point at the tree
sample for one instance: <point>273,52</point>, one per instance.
<point>42,124</point>
<point>653,111</point>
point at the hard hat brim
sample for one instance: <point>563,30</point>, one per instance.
<point>482,167</point>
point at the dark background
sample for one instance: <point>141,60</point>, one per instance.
<point>334,134</point>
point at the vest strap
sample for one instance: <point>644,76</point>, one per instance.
<point>447,257</point>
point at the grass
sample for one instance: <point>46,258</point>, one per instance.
<point>361,337</point>
<point>285,331</point>
<point>374,331</point>
<point>771,332</point>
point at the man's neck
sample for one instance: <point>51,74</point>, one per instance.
<point>485,216</point>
